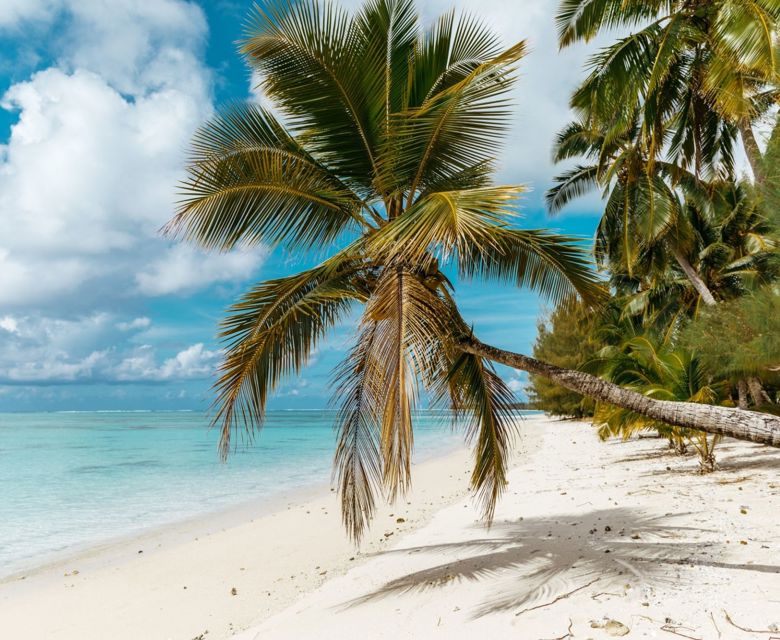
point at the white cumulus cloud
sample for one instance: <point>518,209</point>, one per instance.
<point>191,363</point>
<point>89,173</point>
<point>37,350</point>
<point>136,323</point>
<point>184,268</point>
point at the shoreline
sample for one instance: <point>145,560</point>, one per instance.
<point>586,532</point>
<point>210,516</point>
<point>187,571</point>
<point>197,524</point>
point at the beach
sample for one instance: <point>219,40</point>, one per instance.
<point>590,540</point>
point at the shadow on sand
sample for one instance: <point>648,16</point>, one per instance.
<point>525,563</point>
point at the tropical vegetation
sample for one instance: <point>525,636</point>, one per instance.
<point>690,247</point>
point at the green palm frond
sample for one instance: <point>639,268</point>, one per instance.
<point>271,332</point>
<point>389,30</point>
<point>612,90</point>
<point>309,56</point>
<point>556,266</point>
<point>583,19</point>
<point>746,31</point>
<point>245,168</point>
<point>448,222</point>
<point>448,53</point>
<point>571,184</point>
<point>457,127</point>
<point>577,139</point>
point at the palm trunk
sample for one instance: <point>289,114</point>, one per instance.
<point>735,423</point>
<point>757,392</point>
<point>754,385</point>
<point>742,394</point>
<point>752,150</point>
<point>701,287</point>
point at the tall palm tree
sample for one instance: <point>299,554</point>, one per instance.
<point>385,156</point>
<point>700,68</point>
<point>644,198</point>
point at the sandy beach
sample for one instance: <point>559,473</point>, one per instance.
<point>591,540</point>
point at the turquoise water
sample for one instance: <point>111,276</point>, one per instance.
<point>75,479</point>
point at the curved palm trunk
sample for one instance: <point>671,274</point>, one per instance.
<point>701,287</point>
<point>752,151</point>
<point>735,423</point>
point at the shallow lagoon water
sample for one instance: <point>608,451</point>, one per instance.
<point>71,480</point>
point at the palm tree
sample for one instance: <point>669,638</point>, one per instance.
<point>385,157</point>
<point>644,197</point>
<point>715,232</point>
<point>700,68</point>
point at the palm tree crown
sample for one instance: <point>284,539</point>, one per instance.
<point>699,70</point>
<point>385,154</point>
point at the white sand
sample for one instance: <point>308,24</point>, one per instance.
<point>669,566</point>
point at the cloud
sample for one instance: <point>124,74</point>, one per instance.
<point>183,269</point>
<point>9,324</point>
<point>194,362</point>
<point>137,46</point>
<point>136,323</point>
<point>13,12</point>
<point>88,179</point>
<point>90,349</point>
<point>89,173</point>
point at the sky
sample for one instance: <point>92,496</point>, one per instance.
<point>98,102</point>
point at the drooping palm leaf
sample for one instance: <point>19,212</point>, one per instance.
<point>245,168</point>
<point>271,332</point>
<point>486,404</point>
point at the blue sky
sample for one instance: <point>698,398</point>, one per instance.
<point>98,100</point>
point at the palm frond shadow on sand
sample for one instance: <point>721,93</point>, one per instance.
<point>524,562</point>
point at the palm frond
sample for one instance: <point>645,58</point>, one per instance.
<point>451,50</point>
<point>554,265</point>
<point>457,127</point>
<point>411,320</point>
<point>244,169</point>
<point>309,57</point>
<point>270,333</point>
<point>447,221</point>
<point>389,31</point>
<point>357,464</point>
<point>571,184</point>
<point>576,139</point>
<point>583,19</point>
<point>485,405</point>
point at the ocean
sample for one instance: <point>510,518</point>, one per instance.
<point>71,480</point>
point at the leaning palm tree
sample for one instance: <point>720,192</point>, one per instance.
<point>384,157</point>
